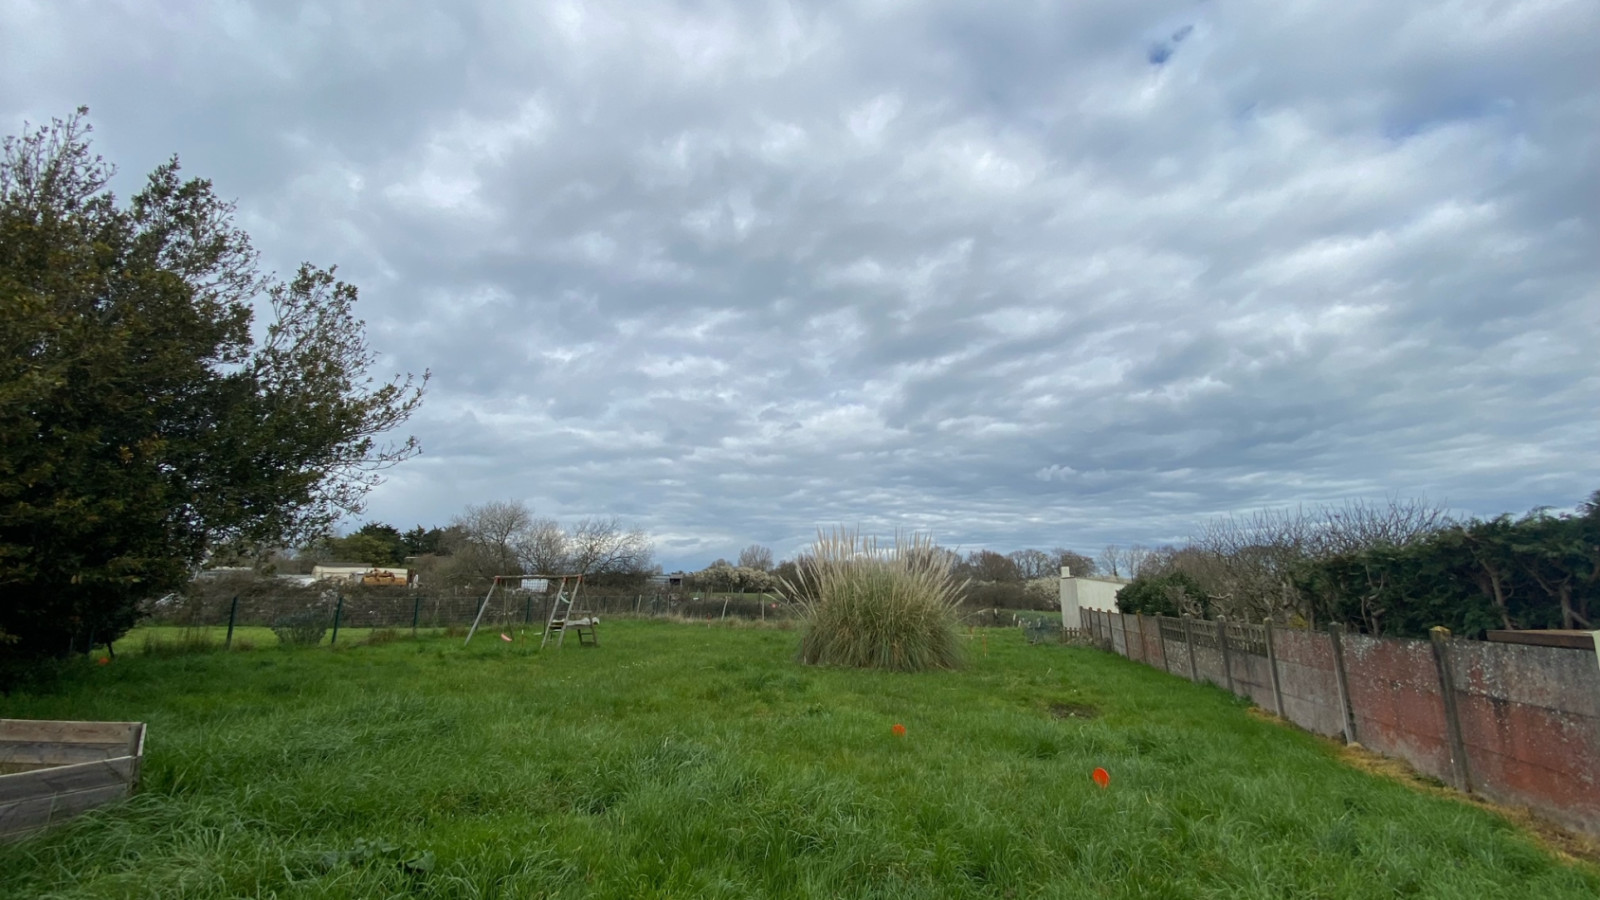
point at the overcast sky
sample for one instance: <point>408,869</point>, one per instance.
<point>1018,274</point>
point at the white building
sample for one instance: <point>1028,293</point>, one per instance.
<point>1080,592</point>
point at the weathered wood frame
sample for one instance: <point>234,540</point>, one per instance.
<point>66,768</point>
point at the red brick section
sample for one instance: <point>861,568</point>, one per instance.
<point>1394,692</point>
<point>1530,718</point>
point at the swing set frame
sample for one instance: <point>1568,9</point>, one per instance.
<point>560,608</point>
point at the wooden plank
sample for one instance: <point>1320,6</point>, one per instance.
<point>137,750</point>
<point>50,753</point>
<point>11,768</point>
<point>17,819</point>
<point>1555,637</point>
<point>66,732</point>
<point>66,779</point>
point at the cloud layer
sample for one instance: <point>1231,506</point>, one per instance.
<point>1019,275</point>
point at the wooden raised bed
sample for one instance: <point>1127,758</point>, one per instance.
<point>50,771</point>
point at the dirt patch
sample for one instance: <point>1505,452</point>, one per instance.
<point>1568,846</point>
<point>1073,711</point>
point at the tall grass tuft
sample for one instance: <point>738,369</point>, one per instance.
<point>874,607</point>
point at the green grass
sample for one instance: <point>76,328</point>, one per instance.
<point>691,761</point>
<point>170,639</point>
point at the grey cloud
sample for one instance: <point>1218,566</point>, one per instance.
<point>737,270</point>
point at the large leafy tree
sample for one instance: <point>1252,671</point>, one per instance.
<point>143,421</point>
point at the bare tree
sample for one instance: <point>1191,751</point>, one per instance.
<point>1114,561</point>
<point>987,565</point>
<point>756,557</point>
<point>543,548</point>
<point>490,534</point>
<point>603,545</point>
<point>1136,558</point>
<point>1077,562</point>
<point>1248,563</point>
<point>1031,564</point>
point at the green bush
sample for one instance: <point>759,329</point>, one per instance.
<point>877,608</point>
<point>1172,594</point>
<point>301,629</point>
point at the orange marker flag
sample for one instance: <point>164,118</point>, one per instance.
<point>1102,777</point>
<point>898,730</point>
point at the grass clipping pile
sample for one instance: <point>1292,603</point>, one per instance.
<point>875,607</point>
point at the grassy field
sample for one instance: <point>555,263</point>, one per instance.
<point>692,761</point>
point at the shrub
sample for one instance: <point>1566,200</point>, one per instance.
<point>877,608</point>
<point>301,629</point>
<point>1172,594</point>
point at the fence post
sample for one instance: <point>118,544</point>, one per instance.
<point>725,599</point>
<point>1144,652</point>
<point>527,608</point>
<point>233,613</point>
<point>1272,664</point>
<point>1440,636</point>
<point>1336,637</point>
<point>338,613</point>
<point>1188,643</point>
<point>1161,642</point>
<point>1227,657</point>
<point>416,614</point>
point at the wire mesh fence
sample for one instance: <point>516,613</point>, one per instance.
<point>366,607</point>
<point>320,613</point>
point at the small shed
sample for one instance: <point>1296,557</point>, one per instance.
<point>52,770</point>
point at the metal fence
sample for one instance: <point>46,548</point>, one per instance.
<point>372,607</point>
<point>402,608</point>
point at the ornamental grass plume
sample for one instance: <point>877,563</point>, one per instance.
<point>875,607</point>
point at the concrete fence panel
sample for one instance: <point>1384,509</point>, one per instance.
<point>1175,649</point>
<point>1395,699</point>
<point>1150,641</point>
<point>1530,720</point>
<point>1135,630</point>
<point>1247,657</point>
<point>1208,653</point>
<point>1517,723</point>
<point>1310,687</point>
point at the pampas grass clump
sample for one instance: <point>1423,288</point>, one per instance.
<point>875,607</point>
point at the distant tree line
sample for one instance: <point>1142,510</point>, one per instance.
<point>1398,568</point>
<point>1022,579</point>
